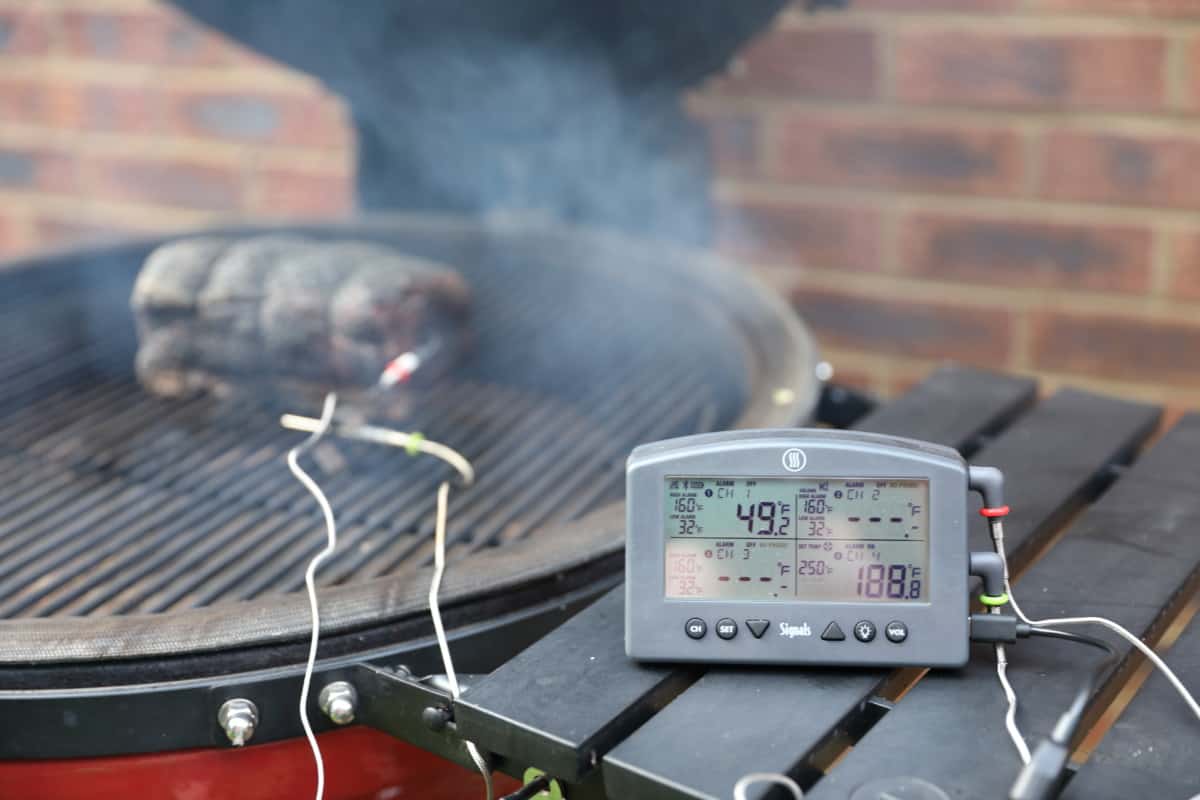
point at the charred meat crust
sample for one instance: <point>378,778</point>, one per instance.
<point>220,314</point>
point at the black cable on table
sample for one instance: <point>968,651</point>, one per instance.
<point>1043,775</point>
<point>1064,730</point>
<point>531,789</point>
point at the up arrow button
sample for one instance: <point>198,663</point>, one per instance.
<point>833,633</point>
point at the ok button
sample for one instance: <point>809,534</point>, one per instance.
<point>695,628</point>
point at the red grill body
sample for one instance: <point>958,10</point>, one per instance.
<point>360,763</point>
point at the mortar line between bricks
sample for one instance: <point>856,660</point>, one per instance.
<point>93,5</point>
<point>1163,122</point>
<point>57,36</point>
<point>919,289</point>
<point>24,230</point>
<point>159,216</point>
<point>172,77</point>
<point>1032,142</point>
<point>1160,261</point>
<point>1031,21</point>
<point>955,204</point>
<point>154,146</point>
<point>885,56</point>
<point>909,367</point>
<point>890,234</point>
<point>1021,352</point>
<point>1178,74</point>
<point>766,155</point>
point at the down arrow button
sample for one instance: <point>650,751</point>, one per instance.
<point>758,626</point>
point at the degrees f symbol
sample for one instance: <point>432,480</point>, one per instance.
<point>794,459</point>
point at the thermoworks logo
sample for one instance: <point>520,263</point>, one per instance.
<point>794,459</point>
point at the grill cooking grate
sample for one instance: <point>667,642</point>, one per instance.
<point>116,502</point>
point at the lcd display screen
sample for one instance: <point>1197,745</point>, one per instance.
<point>810,539</point>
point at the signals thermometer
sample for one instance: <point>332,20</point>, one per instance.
<point>802,547</point>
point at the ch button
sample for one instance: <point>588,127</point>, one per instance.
<point>695,628</point>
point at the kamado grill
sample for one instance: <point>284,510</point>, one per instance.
<point>152,550</point>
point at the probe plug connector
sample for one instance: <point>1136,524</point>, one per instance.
<point>989,482</point>
<point>989,567</point>
<point>1043,775</point>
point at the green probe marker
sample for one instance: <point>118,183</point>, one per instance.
<point>555,791</point>
<point>414,443</point>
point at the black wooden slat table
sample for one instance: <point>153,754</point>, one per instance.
<point>1149,752</point>
<point>1125,560</point>
<point>573,705</point>
<point>1142,756</point>
<point>803,706</point>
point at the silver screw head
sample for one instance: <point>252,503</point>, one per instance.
<point>339,701</point>
<point>238,718</point>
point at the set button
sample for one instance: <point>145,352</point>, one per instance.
<point>726,628</point>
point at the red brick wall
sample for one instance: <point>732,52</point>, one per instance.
<point>123,115</point>
<point>1014,183</point>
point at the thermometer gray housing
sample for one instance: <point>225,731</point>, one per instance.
<point>936,630</point>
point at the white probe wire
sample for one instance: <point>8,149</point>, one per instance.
<point>387,436</point>
<point>746,781</point>
<point>439,568</point>
<point>997,528</point>
<point>371,433</point>
<point>293,462</point>
<point>1010,716</point>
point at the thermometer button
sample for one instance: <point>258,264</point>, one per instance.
<point>696,628</point>
<point>758,626</point>
<point>896,631</point>
<point>726,628</point>
<point>833,633</point>
<point>864,630</point>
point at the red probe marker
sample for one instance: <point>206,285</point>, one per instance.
<point>399,369</point>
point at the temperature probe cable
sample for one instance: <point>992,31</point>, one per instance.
<point>1044,768</point>
<point>413,443</point>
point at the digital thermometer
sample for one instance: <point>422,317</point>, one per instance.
<point>797,547</point>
